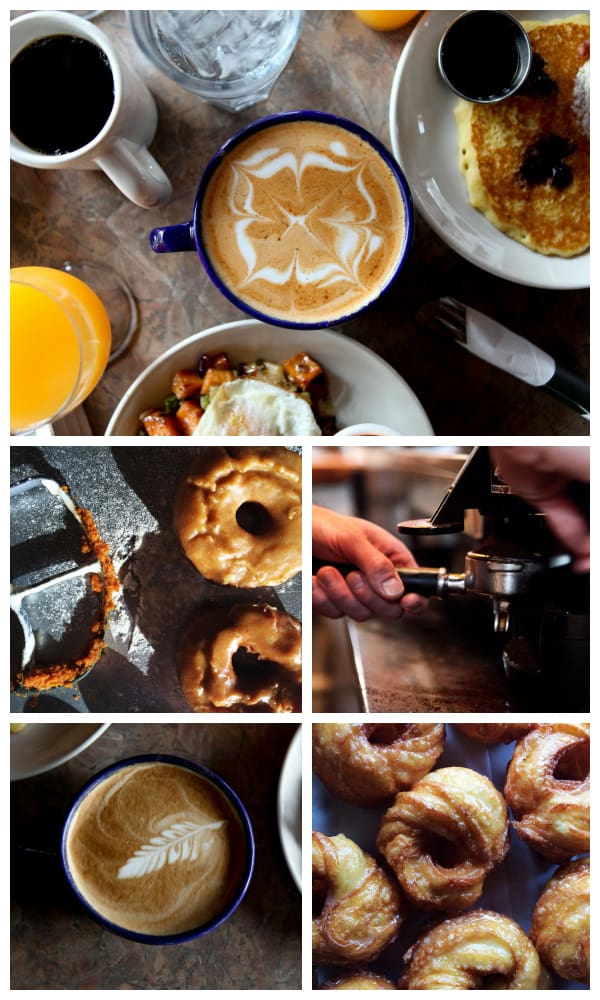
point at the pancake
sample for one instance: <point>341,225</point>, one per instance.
<point>526,160</point>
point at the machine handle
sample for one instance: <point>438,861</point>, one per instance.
<point>428,582</point>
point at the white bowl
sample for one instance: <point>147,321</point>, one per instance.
<point>365,430</point>
<point>363,388</point>
<point>42,746</point>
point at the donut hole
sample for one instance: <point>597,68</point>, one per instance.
<point>386,733</point>
<point>253,518</point>
<point>443,852</point>
<point>253,673</point>
<point>493,981</point>
<point>572,763</point>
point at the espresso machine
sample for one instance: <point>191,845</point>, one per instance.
<point>538,607</point>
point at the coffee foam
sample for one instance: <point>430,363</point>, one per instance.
<point>304,221</point>
<point>156,849</point>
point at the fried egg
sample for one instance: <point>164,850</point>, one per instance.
<point>250,406</point>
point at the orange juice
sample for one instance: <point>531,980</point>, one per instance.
<point>59,344</point>
<point>385,20</point>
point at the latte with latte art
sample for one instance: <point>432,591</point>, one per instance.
<point>156,848</point>
<point>304,222</point>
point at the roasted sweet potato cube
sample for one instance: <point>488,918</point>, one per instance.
<point>301,369</point>
<point>159,424</point>
<point>215,377</point>
<point>207,361</point>
<point>186,383</point>
<point>188,416</point>
<point>218,361</point>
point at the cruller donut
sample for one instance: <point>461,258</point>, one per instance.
<point>443,836</point>
<point>242,657</point>
<point>548,789</point>
<point>357,909</point>
<point>361,980</point>
<point>494,732</point>
<point>239,515</point>
<point>560,927</point>
<point>367,764</point>
<point>477,950</point>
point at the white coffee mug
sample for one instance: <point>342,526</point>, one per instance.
<point>120,148</point>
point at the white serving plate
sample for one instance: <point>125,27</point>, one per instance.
<point>289,808</point>
<point>425,142</point>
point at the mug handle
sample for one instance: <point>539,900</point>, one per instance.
<point>173,239</point>
<point>135,172</point>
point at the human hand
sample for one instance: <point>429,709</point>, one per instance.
<point>374,588</point>
<point>541,476</point>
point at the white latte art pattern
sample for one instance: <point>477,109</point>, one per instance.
<point>351,240</point>
<point>182,842</point>
<point>156,848</point>
<point>304,221</point>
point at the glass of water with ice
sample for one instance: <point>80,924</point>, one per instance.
<point>230,58</point>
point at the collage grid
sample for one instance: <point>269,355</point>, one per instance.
<point>213,694</point>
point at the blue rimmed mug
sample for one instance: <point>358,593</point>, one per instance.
<point>158,849</point>
<point>296,268</point>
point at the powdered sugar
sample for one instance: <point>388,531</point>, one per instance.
<point>581,97</point>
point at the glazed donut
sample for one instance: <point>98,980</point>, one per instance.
<point>368,764</point>
<point>560,927</point>
<point>443,836</point>
<point>357,909</point>
<point>239,515</point>
<point>548,789</point>
<point>242,657</point>
<point>476,950</point>
<point>494,732</point>
<point>359,981</point>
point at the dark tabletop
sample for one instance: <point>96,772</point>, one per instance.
<point>130,492</point>
<point>339,65</point>
<point>55,945</point>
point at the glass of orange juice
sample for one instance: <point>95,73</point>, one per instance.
<point>60,339</point>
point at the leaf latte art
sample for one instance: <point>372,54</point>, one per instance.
<point>304,221</point>
<point>156,848</point>
<point>183,842</point>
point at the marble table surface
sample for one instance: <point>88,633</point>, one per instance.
<point>339,65</point>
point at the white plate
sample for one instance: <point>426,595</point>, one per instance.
<point>289,808</point>
<point>363,387</point>
<point>424,141</point>
<point>44,745</point>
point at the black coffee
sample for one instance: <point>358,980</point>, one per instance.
<point>61,94</point>
<point>481,55</point>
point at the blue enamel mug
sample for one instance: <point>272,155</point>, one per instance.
<point>302,219</point>
<point>158,849</point>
